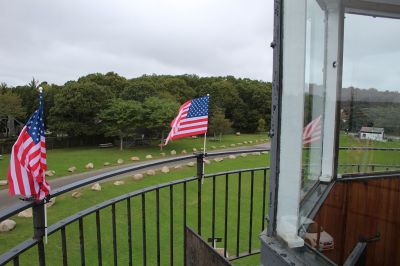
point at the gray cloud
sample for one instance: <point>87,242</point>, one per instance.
<point>58,41</point>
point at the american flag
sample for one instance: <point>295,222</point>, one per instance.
<point>312,131</point>
<point>26,174</point>
<point>192,119</point>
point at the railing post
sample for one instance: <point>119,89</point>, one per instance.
<point>39,229</point>
<point>200,173</point>
<point>200,169</point>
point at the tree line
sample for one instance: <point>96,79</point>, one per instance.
<point>112,105</point>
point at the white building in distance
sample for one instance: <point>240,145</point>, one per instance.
<point>372,133</point>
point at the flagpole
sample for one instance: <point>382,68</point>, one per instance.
<point>204,152</point>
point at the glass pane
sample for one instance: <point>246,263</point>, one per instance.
<point>370,98</point>
<point>314,94</point>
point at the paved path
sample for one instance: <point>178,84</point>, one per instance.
<point>6,200</point>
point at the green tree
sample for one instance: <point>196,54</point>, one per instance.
<point>218,124</point>
<point>10,108</point>
<point>121,118</point>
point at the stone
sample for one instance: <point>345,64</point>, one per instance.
<point>7,225</point>
<point>149,156</point>
<point>264,152</point>
<point>243,154</point>
<point>257,153</point>
<point>76,194</point>
<point>207,161</point>
<point>232,157</point>
<point>162,154</point>
<point>184,152</point>
<point>178,166</point>
<point>26,213</point>
<point>213,147</point>
<point>251,142</point>
<point>119,183</point>
<point>233,145</point>
<point>219,159</point>
<point>239,143</point>
<point>173,152</point>
<point>106,163</point>
<point>256,140</point>
<point>72,169</point>
<point>135,158</point>
<point>194,149</point>
<point>237,133</point>
<point>89,166</point>
<point>195,137</point>
<point>222,146</point>
<point>51,202</point>
<point>50,173</point>
<point>165,169</point>
<point>245,142</point>
<point>3,182</point>
<point>138,177</point>
<point>96,187</point>
<point>190,164</point>
<point>120,161</point>
<point>151,172</point>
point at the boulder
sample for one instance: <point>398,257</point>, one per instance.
<point>207,161</point>
<point>135,158</point>
<point>96,187</point>
<point>165,169</point>
<point>264,152</point>
<point>245,142</point>
<point>222,146</point>
<point>194,149</point>
<point>162,154</point>
<point>137,177</point>
<point>256,140</point>
<point>213,147</point>
<point>184,152</point>
<point>76,194</point>
<point>237,133</point>
<point>190,164</point>
<point>151,172</point>
<point>257,153</point>
<point>50,173</point>
<point>149,156</point>
<point>119,183</point>
<point>106,164</point>
<point>233,145</point>
<point>178,166</point>
<point>51,202</point>
<point>243,154</point>
<point>120,161</point>
<point>195,137</point>
<point>239,143</point>
<point>26,213</point>
<point>173,152</point>
<point>72,169</point>
<point>3,182</point>
<point>219,159</point>
<point>232,157</point>
<point>251,142</point>
<point>7,225</point>
<point>89,166</point>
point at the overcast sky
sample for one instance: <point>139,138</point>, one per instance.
<point>57,41</point>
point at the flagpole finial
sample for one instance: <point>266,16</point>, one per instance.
<point>40,89</point>
<point>208,94</point>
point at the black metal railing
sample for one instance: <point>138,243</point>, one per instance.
<point>147,226</point>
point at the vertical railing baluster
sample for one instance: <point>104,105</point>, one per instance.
<point>264,198</point>
<point>158,225</point>
<point>226,215</point>
<point>251,209</point>
<point>114,234</point>
<point>213,212</point>
<point>144,227</point>
<point>128,211</point>
<point>81,241</point>
<point>64,246</point>
<point>98,229</point>
<point>171,224</point>
<point>238,214</point>
<point>184,223</point>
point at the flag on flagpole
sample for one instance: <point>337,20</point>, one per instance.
<point>312,131</point>
<point>26,173</point>
<point>192,119</point>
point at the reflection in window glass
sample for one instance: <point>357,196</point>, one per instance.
<point>370,98</point>
<point>313,95</point>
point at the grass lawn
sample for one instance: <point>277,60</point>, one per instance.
<point>60,160</point>
<point>66,205</point>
